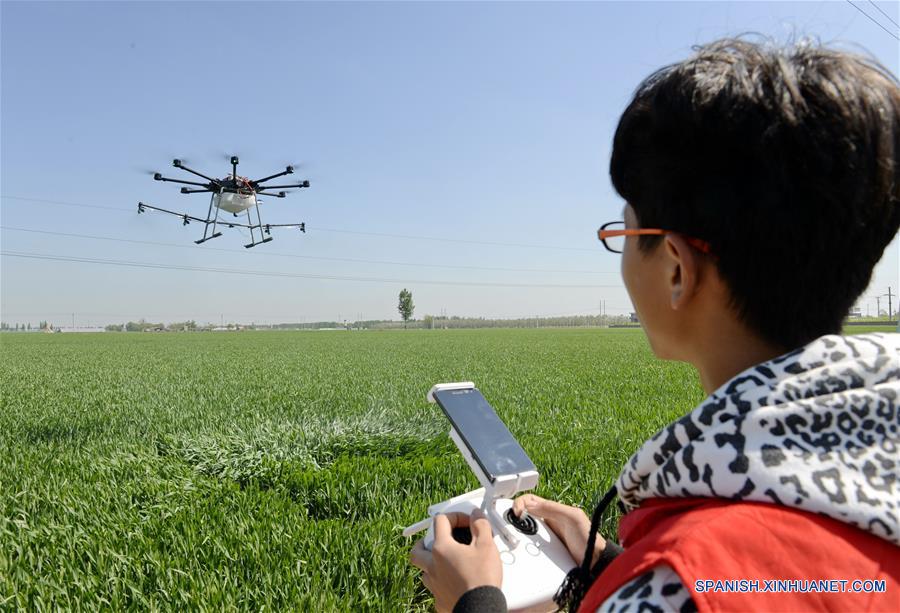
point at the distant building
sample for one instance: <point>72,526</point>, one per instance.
<point>633,318</point>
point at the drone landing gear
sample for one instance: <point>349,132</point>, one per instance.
<point>203,240</point>
<point>258,226</point>
<point>209,222</point>
<point>265,240</point>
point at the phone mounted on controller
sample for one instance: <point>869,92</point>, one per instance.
<point>535,561</point>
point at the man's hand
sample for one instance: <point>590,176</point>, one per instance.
<point>451,569</point>
<point>570,524</point>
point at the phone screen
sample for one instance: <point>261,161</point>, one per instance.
<point>490,441</point>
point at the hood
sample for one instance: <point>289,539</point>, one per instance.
<point>816,429</point>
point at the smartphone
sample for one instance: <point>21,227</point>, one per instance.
<point>488,439</point>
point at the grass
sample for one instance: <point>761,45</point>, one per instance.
<point>864,329</point>
<point>275,470</point>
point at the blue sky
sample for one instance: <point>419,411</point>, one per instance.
<point>477,135</point>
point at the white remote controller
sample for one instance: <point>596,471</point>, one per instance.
<point>535,561</point>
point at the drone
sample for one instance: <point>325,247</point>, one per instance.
<point>233,194</point>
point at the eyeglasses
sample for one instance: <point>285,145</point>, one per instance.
<point>613,235</point>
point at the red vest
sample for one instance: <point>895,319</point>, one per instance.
<point>715,539</point>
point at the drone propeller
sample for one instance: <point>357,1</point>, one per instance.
<point>226,155</point>
<point>229,158</point>
<point>303,168</point>
<point>299,166</point>
<point>234,160</point>
<point>145,171</point>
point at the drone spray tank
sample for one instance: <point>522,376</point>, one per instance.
<point>235,202</point>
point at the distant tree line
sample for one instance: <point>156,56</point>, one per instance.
<point>428,322</point>
<point>148,326</point>
<point>432,322</point>
<point>26,327</point>
<point>435,322</point>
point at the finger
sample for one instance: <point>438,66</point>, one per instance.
<point>521,503</point>
<point>481,528</point>
<point>419,556</point>
<point>550,509</point>
<point>426,581</point>
<point>442,529</point>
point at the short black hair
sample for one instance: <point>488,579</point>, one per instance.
<point>784,159</point>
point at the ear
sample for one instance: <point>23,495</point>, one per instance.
<point>683,269</point>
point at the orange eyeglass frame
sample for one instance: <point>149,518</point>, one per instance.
<point>696,243</point>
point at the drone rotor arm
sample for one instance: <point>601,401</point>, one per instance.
<point>303,184</point>
<point>185,190</point>
<point>278,195</point>
<point>199,174</point>
<point>280,174</point>
<point>168,180</point>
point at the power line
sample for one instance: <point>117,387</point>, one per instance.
<point>873,20</point>
<point>79,204</point>
<point>304,257</point>
<point>309,228</point>
<point>883,13</point>
<point>453,240</point>
<point>581,313</point>
<point>262,273</point>
<point>585,312</point>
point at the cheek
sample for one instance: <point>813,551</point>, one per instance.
<point>640,278</point>
<point>631,274</point>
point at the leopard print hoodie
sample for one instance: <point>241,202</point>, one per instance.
<point>815,429</point>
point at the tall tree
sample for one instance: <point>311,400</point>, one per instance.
<point>406,305</point>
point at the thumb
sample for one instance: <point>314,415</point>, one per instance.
<point>480,527</point>
<point>549,509</point>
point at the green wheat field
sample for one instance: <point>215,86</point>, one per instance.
<point>275,470</point>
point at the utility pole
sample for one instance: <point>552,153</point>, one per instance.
<point>889,296</point>
<point>877,307</point>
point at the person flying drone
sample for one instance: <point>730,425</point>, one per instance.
<point>762,185</point>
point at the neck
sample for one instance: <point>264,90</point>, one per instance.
<point>727,350</point>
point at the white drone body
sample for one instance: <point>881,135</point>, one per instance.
<point>233,202</point>
<point>535,560</point>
